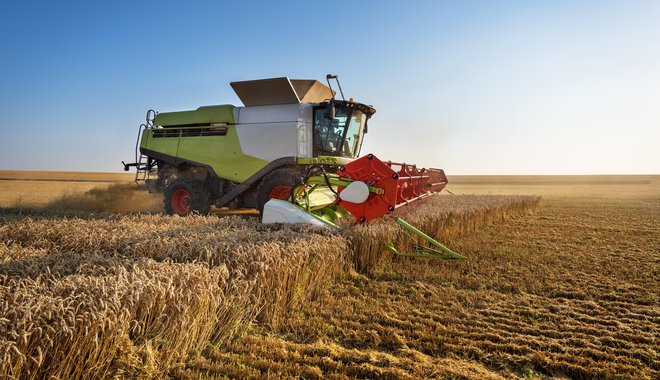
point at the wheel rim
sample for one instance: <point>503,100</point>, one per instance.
<point>181,201</point>
<point>280,192</point>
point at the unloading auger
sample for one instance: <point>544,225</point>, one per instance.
<point>366,188</point>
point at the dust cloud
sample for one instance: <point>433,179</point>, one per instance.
<point>117,198</point>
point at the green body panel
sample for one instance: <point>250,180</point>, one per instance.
<point>321,160</point>
<point>324,160</point>
<point>167,145</point>
<point>214,114</point>
<point>222,153</point>
<point>174,118</point>
<point>203,115</point>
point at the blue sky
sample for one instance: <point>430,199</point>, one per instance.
<point>474,87</point>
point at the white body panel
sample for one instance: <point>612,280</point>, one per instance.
<point>305,130</point>
<point>275,131</point>
<point>279,211</point>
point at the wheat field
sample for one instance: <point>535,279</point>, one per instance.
<point>546,290</point>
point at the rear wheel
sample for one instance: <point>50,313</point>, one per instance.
<point>277,185</point>
<point>185,196</point>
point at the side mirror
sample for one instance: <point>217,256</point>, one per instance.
<point>330,114</point>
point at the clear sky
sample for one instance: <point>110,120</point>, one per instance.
<point>474,87</point>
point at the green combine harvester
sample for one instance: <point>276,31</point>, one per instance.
<point>292,152</point>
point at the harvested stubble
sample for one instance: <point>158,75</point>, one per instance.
<point>442,217</point>
<point>106,295</point>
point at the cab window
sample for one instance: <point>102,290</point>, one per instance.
<point>329,134</point>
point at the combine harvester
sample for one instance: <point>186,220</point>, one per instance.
<point>291,152</point>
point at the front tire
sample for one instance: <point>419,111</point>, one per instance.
<point>185,196</point>
<point>277,185</point>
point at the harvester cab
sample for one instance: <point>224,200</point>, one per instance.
<point>291,151</point>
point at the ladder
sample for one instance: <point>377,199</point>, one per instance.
<point>143,164</point>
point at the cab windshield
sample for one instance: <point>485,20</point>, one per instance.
<point>341,136</point>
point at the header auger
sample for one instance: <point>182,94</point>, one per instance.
<point>292,152</point>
